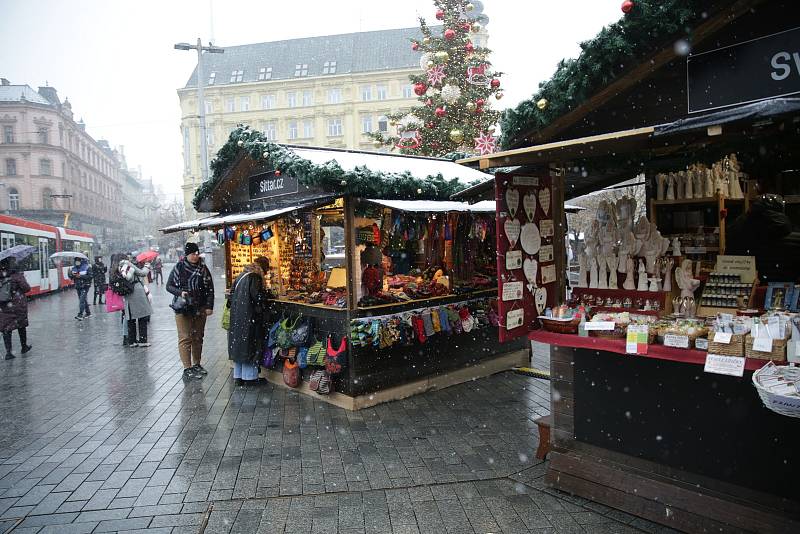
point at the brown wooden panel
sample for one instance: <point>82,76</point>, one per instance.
<point>565,423</point>
<point>562,370</point>
<point>561,437</point>
<point>560,354</point>
<point>563,405</point>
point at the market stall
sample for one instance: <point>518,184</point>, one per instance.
<point>671,394</point>
<point>412,306</point>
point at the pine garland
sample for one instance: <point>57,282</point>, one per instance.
<point>616,49</point>
<point>359,182</point>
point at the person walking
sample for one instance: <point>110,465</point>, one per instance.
<point>192,287</point>
<point>158,274</point>
<point>114,274</point>
<point>13,306</point>
<point>99,270</point>
<point>248,305</point>
<point>137,304</point>
<point>81,275</point>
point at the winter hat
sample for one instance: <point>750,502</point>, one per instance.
<point>190,248</point>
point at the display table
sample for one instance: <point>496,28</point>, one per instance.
<point>658,437</point>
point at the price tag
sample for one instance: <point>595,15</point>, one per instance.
<point>513,260</point>
<point>677,341</point>
<point>701,343</point>
<point>636,341</point>
<point>722,337</point>
<point>600,325</point>
<point>762,344</point>
<point>512,291</point>
<point>724,365</point>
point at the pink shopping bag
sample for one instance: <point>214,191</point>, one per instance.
<point>114,302</point>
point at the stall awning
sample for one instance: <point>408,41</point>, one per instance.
<point>218,221</point>
<point>753,112</point>
<point>434,206</point>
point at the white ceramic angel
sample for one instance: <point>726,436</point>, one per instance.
<point>602,280</point>
<point>592,273</point>
<point>642,283</point>
<point>667,272</point>
<point>698,179</point>
<point>680,185</point>
<point>654,284</point>
<point>670,187</point>
<point>661,186</point>
<point>629,276</point>
<point>590,240</point>
<point>683,277</point>
<point>613,262</point>
<point>653,247</point>
<point>710,191</point>
<point>689,184</point>
<point>583,264</point>
<point>676,246</point>
<point>734,174</point>
<point>626,208</point>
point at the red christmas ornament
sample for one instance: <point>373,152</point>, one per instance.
<point>277,172</point>
<point>627,6</point>
<point>415,46</point>
<point>469,47</point>
<point>440,112</point>
<point>495,83</point>
<point>449,34</point>
<point>429,102</point>
<point>480,102</point>
<point>440,14</point>
<point>466,26</point>
<point>430,126</point>
<point>420,88</point>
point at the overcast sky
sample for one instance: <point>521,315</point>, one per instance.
<point>115,60</point>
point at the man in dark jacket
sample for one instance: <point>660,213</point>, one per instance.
<point>192,287</point>
<point>766,233</point>
<point>81,275</point>
<point>99,270</point>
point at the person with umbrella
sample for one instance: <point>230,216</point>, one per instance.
<point>137,304</point>
<point>13,302</point>
<point>99,272</point>
<point>81,275</point>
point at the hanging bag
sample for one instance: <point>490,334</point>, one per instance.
<point>5,291</point>
<point>114,302</point>
<point>272,337</point>
<point>268,359</point>
<point>301,335</point>
<point>121,285</point>
<point>335,359</point>
<point>316,353</point>
<point>284,336</point>
<point>291,373</point>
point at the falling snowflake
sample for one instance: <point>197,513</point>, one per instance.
<point>436,75</point>
<point>485,143</point>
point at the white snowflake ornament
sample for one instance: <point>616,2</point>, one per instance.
<point>451,93</point>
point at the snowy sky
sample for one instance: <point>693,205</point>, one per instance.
<point>115,60</point>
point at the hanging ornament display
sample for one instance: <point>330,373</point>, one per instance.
<point>415,46</point>
<point>435,75</point>
<point>542,103</point>
<point>451,93</point>
<point>627,6</point>
<point>495,83</point>
<point>440,14</point>
<point>498,95</point>
<point>426,40</point>
<point>471,107</point>
<point>440,112</point>
<point>469,47</point>
<point>456,136</point>
<point>485,143</point>
<point>409,140</point>
<point>424,59</point>
<point>420,88</point>
<point>441,56</point>
<point>477,75</point>
<point>480,102</point>
<point>449,34</point>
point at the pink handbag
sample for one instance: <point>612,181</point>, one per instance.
<point>114,302</point>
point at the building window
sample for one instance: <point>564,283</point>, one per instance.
<point>8,134</point>
<point>212,78</point>
<point>44,136</point>
<point>334,96</point>
<point>383,124</point>
<point>329,67</point>
<point>334,127</point>
<point>366,92</point>
<point>45,167</point>
<point>244,103</point>
<point>237,76</point>
<point>265,73</point>
<point>270,131</point>
<point>230,105</point>
<point>209,137</point>
<point>381,92</point>
<point>301,69</point>
<point>63,170</point>
<point>209,106</point>
<point>11,167</point>
<point>292,129</point>
<point>291,99</point>
<point>308,98</point>
<point>308,129</point>
<point>408,91</point>
<point>187,152</point>
<point>13,199</point>
<point>366,123</point>
<point>267,101</point>
<point>47,198</point>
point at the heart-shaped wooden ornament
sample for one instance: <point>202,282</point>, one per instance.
<point>529,267</point>
<point>529,205</point>
<point>512,229</point>
<point>512,201</point>
<point>540,297</point>
<point>544,201</point>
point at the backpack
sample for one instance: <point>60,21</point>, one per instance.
<point>5,290</point>
<point>121,285</point>
<point>301,335</point>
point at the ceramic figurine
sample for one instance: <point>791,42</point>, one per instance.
<point>654,283</point>
<point>592,273</point>
<point>699,177</point>
<point>602,281</point>
<point>626,208</point>
<point>667,271</point>
<point>683,277</point>
<point>613,262</point>
<point>629,275</point>
<point>680,185</point>
<point>676,246</point>
<point>661,186</point>
<point>689,185</point>
<point>642,284</point>
<point>709,190</point>
<point>670,187</point>
<point>583,263</point>
<point>734,174</point>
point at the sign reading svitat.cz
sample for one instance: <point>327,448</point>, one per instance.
<point>268,185</point>
<point>767,67</point>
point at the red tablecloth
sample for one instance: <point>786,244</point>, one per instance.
<point>659,352</point>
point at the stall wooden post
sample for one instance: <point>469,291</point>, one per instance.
<point>349,251</point>
<point>559,233</point>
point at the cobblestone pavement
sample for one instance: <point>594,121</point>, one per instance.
<point>100,438</point>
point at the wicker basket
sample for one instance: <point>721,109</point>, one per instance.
<point>788,406</point>
<point>560,326</point>
<point>777,354</point>
<point>734,348</point>
<point>619,332</point>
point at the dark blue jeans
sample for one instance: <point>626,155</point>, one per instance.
<point>83,304</point>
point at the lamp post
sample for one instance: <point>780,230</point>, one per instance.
<point>201,104</point>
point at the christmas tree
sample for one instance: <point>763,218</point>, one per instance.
<point>454,91</point>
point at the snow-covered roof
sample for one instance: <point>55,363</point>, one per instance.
<point>435,206</point>
<point>222,220</point>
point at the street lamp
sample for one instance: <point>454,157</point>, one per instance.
<point>201,104</point>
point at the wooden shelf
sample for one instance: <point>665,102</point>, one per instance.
<point>707,200</point>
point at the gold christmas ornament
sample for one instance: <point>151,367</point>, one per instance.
<point>456,136</point>
<point>476,27</point>
<point>490,129</point>
<point>498,95</point>
<point>542,103</point>
<point>471,106</point>
<point>470,7</point>
<point>393,122</point>
<point>240,143</point>
<point>442,55</point>
<point>431,64</point>
<point>426,41</point>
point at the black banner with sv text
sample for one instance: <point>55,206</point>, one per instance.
<point>767,67</point>
<point>268,185</point>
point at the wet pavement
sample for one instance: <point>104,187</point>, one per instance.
<point>100,438</point>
